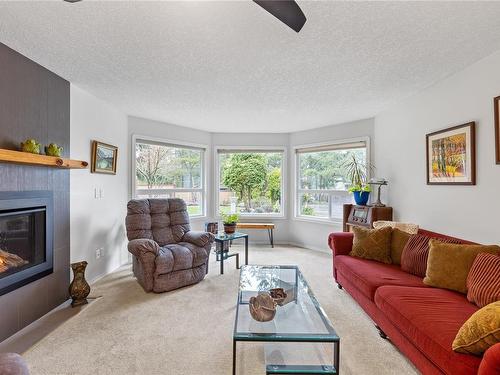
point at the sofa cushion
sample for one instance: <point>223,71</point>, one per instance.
<point>368,275</point>
<point>416,252</point>
<point>483,281</point>
<point>374,244</point>
<point>430,318</point>
<point>449,264</point>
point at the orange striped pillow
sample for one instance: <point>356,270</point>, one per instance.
<point>483,281</point>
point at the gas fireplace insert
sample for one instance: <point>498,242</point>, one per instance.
<point>26,238</point>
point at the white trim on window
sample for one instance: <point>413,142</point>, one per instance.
<point>136,138</point>
<point>284,167</point>
<point>316,147</point>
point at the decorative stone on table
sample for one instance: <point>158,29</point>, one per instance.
<point>79,289</point>
<point>262,307</point>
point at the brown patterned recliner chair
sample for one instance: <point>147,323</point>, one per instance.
<point>167,254</point>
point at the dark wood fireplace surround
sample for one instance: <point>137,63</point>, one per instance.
<point>35,103</point>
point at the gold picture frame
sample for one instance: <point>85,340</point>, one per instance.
<point>451,156</point>
<point>104,158</point>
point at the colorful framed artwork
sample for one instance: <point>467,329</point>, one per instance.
<point>497,128</point>
<point>451,156</point>
<point>104,158</point>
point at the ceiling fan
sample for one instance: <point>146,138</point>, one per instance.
<point>287,11</point>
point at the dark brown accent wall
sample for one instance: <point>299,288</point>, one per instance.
<point>35,103</point>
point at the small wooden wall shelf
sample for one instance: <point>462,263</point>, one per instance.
<point>18,157</point>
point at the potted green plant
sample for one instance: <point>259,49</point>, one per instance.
<point>357,174</point>
<point>230,221</point>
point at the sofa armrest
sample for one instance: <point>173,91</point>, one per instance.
<point>490,364</point>
<point>142,246</point>
<point>340,242</point>
<point>199,238</point>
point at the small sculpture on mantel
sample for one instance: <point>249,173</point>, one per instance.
<point>79,289</point>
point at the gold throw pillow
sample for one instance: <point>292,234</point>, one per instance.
<point>449,264</point>
<point>373,244</point>
<point>480,331</point>
<point>398,243</point>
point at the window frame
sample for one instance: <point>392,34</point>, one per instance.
<point>137,138</point>
<point>296,186</point>
<point>250,149</point>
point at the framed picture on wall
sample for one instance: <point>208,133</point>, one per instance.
<point>497,129</point>
<point>103,158</point>
<point>451,156</point>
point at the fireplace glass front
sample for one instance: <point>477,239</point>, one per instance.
<point>22,240</point>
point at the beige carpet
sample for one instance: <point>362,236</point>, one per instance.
<point>189,331</point>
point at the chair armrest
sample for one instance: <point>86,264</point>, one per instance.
<point>142,246</point>
<point>198,238</point>
<point>341,242</point>
<point>490,364</point>
<point>11,363</point>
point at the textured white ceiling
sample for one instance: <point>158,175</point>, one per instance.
<point>231,67</point>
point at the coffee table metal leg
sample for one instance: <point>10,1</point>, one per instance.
<point>234,357</point>
<point>336,357</point>
<point>246,251</point>
<point>220,251</point>
<point>237,261</point>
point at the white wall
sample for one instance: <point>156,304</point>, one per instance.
<point>314,235</point>
<point>98,223</point>
<point>400,143</point>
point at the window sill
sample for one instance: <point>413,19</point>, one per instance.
<point>257,218</point>
<point>317,220</point>
<point>197,218</point>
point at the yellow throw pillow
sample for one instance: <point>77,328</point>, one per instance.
<point>398,243</point>
<point>480,331</point>
<point>449,264</point>
<point>374,244</point>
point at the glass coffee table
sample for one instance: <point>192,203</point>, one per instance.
<point>300,339</point>
<point>222,242</point>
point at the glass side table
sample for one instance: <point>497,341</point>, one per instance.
<point>222,243</point>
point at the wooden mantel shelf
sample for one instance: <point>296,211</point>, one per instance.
<point>9,156</point>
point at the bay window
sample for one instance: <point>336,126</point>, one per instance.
<point>168,170</point>
<point>250,182</point>
<point>322,185</point>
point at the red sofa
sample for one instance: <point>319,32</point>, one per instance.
<point>421,321</point>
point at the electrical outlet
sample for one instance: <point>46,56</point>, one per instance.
<point>98,253</point>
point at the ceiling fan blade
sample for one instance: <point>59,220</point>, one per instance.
<point>287,11</point>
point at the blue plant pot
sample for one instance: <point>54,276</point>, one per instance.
<point>361,197</point>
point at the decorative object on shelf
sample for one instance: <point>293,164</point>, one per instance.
<point>380,182</point>
<point>79,289</point>
<point>357,173</point>
<point>104,158</point>
<point>451,156</point>
<point>212,227</point>
<point>497,128</point>
<point>278,295</point>
<point>31,146</point>
<point>53,150</point>
<point>262,307</point>
<point>230,221</point>
<point>364,216</point>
